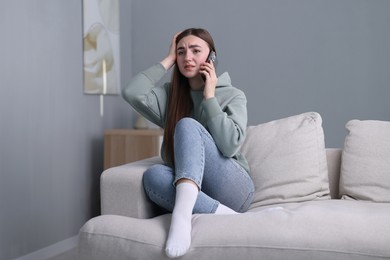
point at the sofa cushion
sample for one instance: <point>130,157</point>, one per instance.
<point>330,229</point>
<point>365,166</point>
<point>287,159</point>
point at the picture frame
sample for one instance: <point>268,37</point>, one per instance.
<point>101,47</point>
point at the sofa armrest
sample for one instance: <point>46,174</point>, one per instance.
<point>122,191</point>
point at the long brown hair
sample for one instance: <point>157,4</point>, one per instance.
<point>179,100</point>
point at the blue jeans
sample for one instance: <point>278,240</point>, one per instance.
<point>220,179</point>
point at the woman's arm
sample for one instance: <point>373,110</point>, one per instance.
<point>145,97</point>
<point>227,121</point>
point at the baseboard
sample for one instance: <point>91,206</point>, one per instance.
<point>52,250</point>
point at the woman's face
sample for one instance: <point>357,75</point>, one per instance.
<point>191,52</point>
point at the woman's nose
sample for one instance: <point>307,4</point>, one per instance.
<point>188,56</point>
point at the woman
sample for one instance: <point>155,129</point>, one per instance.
<point>204,120</point>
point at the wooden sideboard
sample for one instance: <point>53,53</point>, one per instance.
<point>128,145</point>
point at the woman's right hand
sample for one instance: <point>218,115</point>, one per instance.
<point>170,60</point>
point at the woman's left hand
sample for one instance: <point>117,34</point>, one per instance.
<point>207,70</point>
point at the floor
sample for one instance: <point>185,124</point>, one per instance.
<point>68,255</point>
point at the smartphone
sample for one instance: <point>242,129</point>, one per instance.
<point>212,57</point>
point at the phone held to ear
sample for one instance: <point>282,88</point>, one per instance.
<point>212,57</point>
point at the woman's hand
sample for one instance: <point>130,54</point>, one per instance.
<point>170,60</point>
<point>207,70</point>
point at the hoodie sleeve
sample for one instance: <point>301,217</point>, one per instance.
<point>145,97</point>
<point>227,121</point>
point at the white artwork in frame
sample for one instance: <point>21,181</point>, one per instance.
<point>101,48</point>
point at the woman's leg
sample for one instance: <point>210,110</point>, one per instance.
<point>158,185</point>
<point>195,152</point>
<point>182,200</point>
<point>197,158</point>
<point>179,237</point>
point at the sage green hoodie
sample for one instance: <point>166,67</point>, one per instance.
<point>224,116</point>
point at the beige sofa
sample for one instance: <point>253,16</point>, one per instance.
<point>310,202</point>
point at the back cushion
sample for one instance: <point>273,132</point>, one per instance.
<point>287,159</point>
<point>365,167</point>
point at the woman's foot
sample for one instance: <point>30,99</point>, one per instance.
<point>179,237</point>
<point>224,210</point>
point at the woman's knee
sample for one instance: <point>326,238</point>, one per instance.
<point>147,179</point>
<point>154,176</point>
<point>186,123</point>
<point>157,182</point>
<point>187,126</point>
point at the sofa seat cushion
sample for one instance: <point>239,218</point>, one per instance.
<point>329,229</point>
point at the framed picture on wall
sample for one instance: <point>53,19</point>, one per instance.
<point>101,47</point>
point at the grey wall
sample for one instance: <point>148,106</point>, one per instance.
<point>51,134</point>
<point>288,56</point>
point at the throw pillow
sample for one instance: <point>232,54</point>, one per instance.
<point>365,165</point>
<point>287,159</point>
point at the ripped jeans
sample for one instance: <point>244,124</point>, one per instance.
<point>220,179</point>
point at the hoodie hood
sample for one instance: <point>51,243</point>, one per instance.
<point>224,80</point>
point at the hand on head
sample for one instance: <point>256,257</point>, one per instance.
<point>170,60</point>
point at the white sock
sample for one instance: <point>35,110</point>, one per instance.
<point>179,237</point>
<point>224,210</point>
